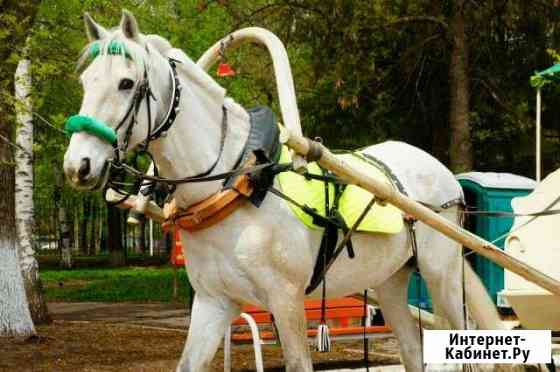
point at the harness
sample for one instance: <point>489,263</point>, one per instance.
<point>259,157</point>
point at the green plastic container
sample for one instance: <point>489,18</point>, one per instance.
<point>484,192</point>
<point>418,293</point>
<point>492,192</point>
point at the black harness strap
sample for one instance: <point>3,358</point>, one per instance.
<point>330,234</point>
<point>340,247</point>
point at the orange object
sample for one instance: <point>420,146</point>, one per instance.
<point>225,70</point>
<point>209,211</point>
<point>340,310</point>
<point>178,256</point>
<point>246,337</point>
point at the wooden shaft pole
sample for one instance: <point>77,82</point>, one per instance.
<point>386,191</point>
<point>151,209</point>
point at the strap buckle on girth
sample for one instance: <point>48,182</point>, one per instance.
<point>211,210</point>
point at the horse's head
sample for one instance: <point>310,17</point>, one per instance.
<point>114,114</point>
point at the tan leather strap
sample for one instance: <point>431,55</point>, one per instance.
<point>210,211</point>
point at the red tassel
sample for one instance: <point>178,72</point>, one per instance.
<point>224,70</point>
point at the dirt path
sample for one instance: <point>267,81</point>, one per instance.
<point>157,314</point>
<point>146,337</point>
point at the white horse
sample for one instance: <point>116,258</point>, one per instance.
<point>265,255</point>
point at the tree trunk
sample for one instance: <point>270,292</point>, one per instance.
<point>117,255</point>
<point>99,235</point>
<point>86,203</point>
<point>24,193</point>
<point>76,228</point>
<point>124,232</point>
<point>15,318</point>
<point>64,238</point>
<point>64,233</point>
<point>460,147</point>
<point>142,236</point>
<point>93,223</point>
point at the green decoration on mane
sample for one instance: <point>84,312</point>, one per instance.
<point>115,48</point>
<point>79,123</point>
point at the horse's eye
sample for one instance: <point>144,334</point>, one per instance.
<point>126,84</point>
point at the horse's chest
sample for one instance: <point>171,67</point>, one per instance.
<point>242,263</point>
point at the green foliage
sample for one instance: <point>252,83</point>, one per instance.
<point>364,71</point>
<point>135,284</point>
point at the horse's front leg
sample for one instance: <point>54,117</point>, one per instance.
<point>210,318</point>
<point>289,316</point>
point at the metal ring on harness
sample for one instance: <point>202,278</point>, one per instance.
<point>315,150</point>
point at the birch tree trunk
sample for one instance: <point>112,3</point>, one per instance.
<point>24,193</point>
<point>15,319</point>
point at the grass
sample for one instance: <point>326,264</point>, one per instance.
<point>127,284</point>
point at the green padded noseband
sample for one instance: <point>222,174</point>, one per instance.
<point>81,123</point>
<point>115,48</point>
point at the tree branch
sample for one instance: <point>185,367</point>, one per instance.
<point>15,145</point>
<point>420,19</point>
<point>504,105</point>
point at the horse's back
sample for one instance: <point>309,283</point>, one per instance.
<point>423,177</point>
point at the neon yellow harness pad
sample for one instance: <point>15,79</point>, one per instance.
<point>380,219</point>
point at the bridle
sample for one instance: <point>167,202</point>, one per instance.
<point>142,93</point>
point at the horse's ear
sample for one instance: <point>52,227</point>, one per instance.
<point>129,26</point>
<point>93,30</point>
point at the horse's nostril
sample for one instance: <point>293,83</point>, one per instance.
<point>84,169</point>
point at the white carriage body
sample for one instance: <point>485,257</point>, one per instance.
<point>536,244</point>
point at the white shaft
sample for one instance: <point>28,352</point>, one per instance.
<point>282,71</point>
<point>151,237</point>
<point>538,137</point>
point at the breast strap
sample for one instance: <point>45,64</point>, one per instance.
<point>210,211</point>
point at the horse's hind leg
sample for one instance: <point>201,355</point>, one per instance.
<point>289,317</point>
<point>209,319</point>
<point>393,299</point>
<point>441,265</point>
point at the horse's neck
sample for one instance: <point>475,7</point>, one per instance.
<point>192,144</point>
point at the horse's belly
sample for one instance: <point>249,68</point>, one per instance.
<point>378,256</point>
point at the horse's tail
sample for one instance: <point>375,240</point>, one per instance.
<point>480,305</point>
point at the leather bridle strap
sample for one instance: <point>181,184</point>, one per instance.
<point>143,90</point>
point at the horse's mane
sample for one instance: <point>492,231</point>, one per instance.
<point>136,52</point>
